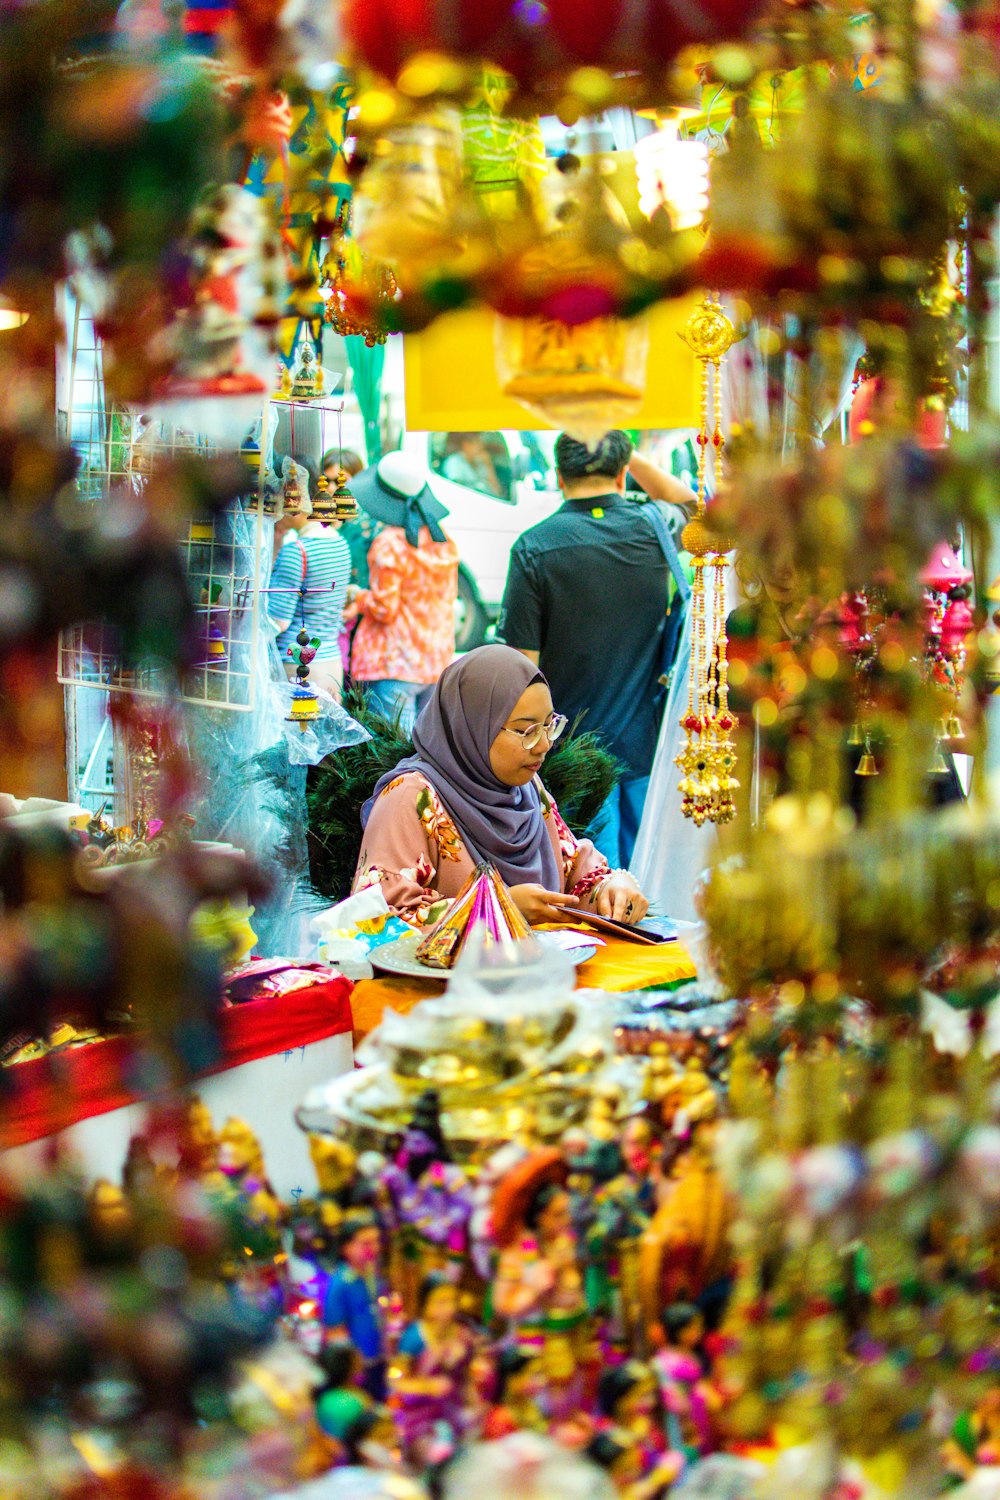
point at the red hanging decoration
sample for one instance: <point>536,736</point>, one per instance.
<point>614,36</point>
<point>540,43</point>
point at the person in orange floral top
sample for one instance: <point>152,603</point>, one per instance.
<point>471,792</point>
<point>406,633</point>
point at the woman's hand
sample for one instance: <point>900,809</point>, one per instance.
<point>619,897</point>
<point>536,904</point>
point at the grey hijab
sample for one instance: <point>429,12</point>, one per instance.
<point>451,740</point>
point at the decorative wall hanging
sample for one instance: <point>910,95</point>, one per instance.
<point>708,758</point>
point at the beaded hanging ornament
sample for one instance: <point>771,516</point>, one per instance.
<point>708,758</point>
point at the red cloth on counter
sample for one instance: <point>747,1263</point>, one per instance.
<point>54,1092</point>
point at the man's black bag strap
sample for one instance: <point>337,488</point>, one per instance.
<point>668,547</point>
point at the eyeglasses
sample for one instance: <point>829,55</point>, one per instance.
<point>531,737</point>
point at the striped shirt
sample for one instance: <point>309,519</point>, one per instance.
<point>308,584</point>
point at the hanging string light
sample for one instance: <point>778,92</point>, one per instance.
<point>708,758</point>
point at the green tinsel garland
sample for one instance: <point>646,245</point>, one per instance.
<point>578,772</point>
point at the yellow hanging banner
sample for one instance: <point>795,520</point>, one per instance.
<point>452,383</point>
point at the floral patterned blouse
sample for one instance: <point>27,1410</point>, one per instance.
<point>413,849</point>
<point>406,632</point>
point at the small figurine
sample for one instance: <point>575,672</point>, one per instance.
<point>110,1215</point>
<point>199,1145</point>
<point>689,1099</point>
<point>687,1397</point>
<point>433,1360</point>
<point>686,1251</point>
<point>642,1157</point>
<point>362,1429</point>
<point>628,1396</point>
<point>431,1200</point>
<point>609,1222</point>
<point>307,379</point>
<point>224,243</point>
<point>661,1073</point>
<point>342,1369</point>
<point>351,1304</point>
<point>621,1456</point>
<point>520,1382</point>
<point>241,1162</point>
<point>539,1283</point>
<point>975,1438</point>
<point>295,487</point>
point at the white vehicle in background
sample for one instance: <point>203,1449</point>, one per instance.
<point>497,485</point>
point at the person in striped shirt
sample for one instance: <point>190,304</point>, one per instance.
<point>307,591</point>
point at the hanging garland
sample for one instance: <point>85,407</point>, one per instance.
<point>708,757</point>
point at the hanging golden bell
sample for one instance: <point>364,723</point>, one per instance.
<point>938,766</point>
<point>867,765</point>
<point>345,503</point>
<point>855,737</point>
<point>955,729</point>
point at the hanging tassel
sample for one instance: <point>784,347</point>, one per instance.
<point>708,758</point>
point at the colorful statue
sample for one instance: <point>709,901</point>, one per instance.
<point>431,1202</point>
<point>687,1099</point>
<point>975,1438</point>
<point>685,1252</point>
<point>628,1397</point>
<point>520,1384</point>
<point>433,1362</point>
<point>538,1288</point>
<point>688,1398</point>
<point>620,1454</point>
<point>610,1221</point>
<point>351,1304</point>
<point>241,1162</point>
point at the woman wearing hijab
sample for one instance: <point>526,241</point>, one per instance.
<point>470,792</point>
<point>406,633</point>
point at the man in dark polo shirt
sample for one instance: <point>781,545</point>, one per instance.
<point>586,598</point>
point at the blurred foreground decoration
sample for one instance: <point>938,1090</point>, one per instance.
<point>567,54</point>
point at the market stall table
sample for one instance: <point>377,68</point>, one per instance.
<point>271,1052</point>
<point>619,966</point>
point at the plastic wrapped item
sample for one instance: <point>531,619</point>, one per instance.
<point>346,933</point>
<point>354,1483</point>
<point>526,1466</point>
<point>506,982</point>
<point>722,1476</point>
<point>510,1047</point>
<point>253,785</point>
<point>307,741</point>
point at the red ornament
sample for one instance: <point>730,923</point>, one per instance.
<point>870,409</point>
<point>956,625</point>
<point>692,724</point>
<point>387,33</point>
<point>614,35</point>
<point>539,40</point>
